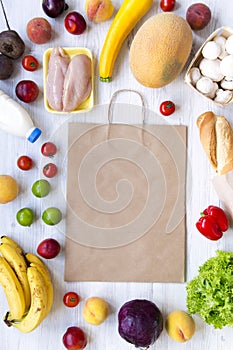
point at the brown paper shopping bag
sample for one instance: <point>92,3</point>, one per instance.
<point>125,202</point>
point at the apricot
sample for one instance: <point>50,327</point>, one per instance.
<point>39,30</point>
<point>99,10</point>
<point>95,310</point>
<point>180,326</point>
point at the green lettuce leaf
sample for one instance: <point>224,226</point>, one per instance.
<point>210,294</point>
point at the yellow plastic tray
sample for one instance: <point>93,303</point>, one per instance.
<point>70,51</point>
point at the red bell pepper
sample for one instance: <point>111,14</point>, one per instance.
<point>212,223</point>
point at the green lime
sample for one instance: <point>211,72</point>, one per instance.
<point>41,188</point>
<point>52,216</point>
<point>25,216</point>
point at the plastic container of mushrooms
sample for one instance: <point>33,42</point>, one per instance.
<point>210,73</point>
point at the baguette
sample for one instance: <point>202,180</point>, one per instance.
<point>216,136</point>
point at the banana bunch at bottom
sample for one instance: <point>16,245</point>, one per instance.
<point>27,284</point>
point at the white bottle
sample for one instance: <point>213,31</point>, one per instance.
<point>15,120</point>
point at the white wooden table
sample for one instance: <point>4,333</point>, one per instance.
<point>200,192</point>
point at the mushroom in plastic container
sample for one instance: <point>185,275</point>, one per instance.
<point>140,323</point>
<point>194,75</point>
<point>207,87</point>
<point>227,83</point>
<point>211,50</point>
<point>223,96</point>
<point>226,66</point>
<point>211,69</point>
<point>229,45</point>
<point>221,41</point>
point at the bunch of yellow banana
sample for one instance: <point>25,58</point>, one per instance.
<point>27,284</point>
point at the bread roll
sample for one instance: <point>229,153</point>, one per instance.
<point>216,136</point>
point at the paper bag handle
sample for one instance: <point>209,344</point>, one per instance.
<point>110,107</point>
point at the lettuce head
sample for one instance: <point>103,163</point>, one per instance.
<point>210,294</point>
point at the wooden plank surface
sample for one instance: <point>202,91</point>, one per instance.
<point>200,192</point>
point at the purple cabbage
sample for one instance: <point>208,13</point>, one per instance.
<point>140,322</point>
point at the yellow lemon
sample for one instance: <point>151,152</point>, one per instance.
<point>8,189</point>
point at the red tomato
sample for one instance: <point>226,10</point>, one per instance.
<point>48,149</point>
<point>50,170</point>
<point>167,108</point>
<point>71,299</point>
<point>167,5</point>
<point>30,63</point>
<point>24,163</point>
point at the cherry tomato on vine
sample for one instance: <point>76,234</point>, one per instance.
<point>24,163</point>
<point>167,5</point>
<point>30,63</point>
<point>71,299</point>
<point>48,149</point>
<point>50,170</point>
<point>167,108</point>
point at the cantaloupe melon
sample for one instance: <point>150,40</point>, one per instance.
<point>160,49</point>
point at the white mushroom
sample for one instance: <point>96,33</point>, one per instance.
<point>194,75</point>
<point>207,87</point>
<point>227,83</point>
<point>229,44</point>
<point>226,66</point>
<point>211,69</point>
<point>223,96</point>
<point>221,41</point>
<point>211,50</point>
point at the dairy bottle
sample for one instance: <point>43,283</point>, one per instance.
<point>15,120</point>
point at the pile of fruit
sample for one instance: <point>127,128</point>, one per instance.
<point>24,277</point>
<point>27,284</point>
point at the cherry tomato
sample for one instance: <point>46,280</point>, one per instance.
<point>48,149</point>
<point>50,170</point>
<point>167,5</point>
<point>24,163</point>
<point>71,299</point>
<point>27,91</point>
<point>30,63</point>
<point>167,108</point>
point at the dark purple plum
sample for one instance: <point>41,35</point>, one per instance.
<point>54,8</point>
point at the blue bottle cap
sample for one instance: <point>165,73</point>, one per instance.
<point>34,135</point>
